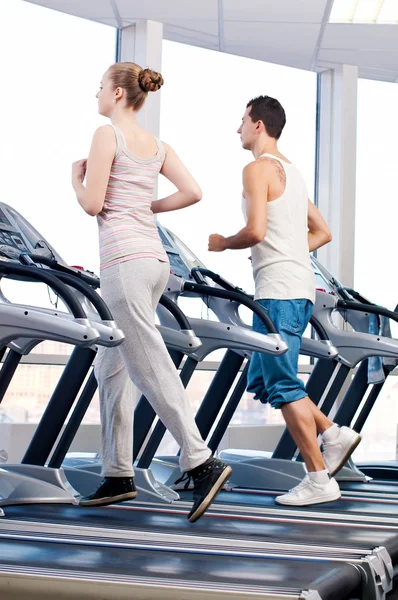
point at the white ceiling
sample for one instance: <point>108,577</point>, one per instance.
<point>296,33</point>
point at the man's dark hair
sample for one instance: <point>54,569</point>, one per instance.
<point>270,112</point>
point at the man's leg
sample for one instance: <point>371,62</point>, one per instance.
<point>338,442</point>
<point>302,425</point>
<point>322,421</point>
<point>287,392</point>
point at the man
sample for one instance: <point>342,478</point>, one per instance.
<point>282,227</point>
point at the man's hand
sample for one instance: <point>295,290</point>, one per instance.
<point>217,243</point>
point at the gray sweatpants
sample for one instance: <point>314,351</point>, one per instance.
<point>132,290</point>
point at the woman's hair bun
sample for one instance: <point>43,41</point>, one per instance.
<point>150,81</point>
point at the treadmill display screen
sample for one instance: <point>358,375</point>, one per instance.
<point>177,266</point>
<point>166,243</point>
<point>4,221</point>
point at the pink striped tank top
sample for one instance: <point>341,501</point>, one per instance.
<point>126,224</point>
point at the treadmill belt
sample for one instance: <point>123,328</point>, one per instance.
<point>361,506</point>
<point>179,568</point>
<point>269,529</point>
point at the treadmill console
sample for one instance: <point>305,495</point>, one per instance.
<point>10,236</point>
<point>181,258</point>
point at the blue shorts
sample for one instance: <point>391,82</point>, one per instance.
<point>274,379</point>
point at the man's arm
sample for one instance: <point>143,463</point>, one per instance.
<point>255,186</point>
<point>318,231</point>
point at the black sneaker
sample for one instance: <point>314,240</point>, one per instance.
<point>111,491</point>
<point>208,480</point>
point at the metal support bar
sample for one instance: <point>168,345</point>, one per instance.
<point>58,408</point>
<point>367,407</point>
<point>74,423</point>
<point>219,388</point>
<point>229,411</point>
<point>370,401</point>
<point>353,397</point>
<point>7,371</point>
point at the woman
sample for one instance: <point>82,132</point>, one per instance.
<point>121,173</point>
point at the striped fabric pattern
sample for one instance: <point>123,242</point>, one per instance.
<point>126,224</point>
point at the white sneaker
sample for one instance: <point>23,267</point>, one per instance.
<point>308,492</point>
<point>335,454</point>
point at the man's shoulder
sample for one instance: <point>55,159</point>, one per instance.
<point>253,168</point>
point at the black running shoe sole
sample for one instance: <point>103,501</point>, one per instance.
<point>107,500</point>
<point>204,505</point>
<point>347,455</point>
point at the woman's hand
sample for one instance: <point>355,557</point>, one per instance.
<point>79,171</point>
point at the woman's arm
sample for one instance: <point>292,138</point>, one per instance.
<point>188,192</point>
<point>96,169</point>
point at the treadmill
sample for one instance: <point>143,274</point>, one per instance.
<point>284,474</point>
<point>357,349</point>
<point>281,472</point>
<point>141,565</point>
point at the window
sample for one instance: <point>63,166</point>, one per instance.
<point>376,216</point>
<point>376,213</point>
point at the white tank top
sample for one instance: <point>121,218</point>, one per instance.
<point>281,261</point>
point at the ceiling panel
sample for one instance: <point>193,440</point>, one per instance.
<point>386,59</point>
<point>81,8</point>
<point>184,36</point>
<point>163,10</point>
<point>267,39</point>
<point>271,56</point>
<point>353,36</point>
<point>378,75</point>
<point>192,40</point>
<point>284,31</point>
<point>287,11</point>
<point>201,26</point>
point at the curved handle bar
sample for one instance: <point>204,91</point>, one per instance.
<point>368,308</point>
<point>83,287</point>
<point>240,297</point>
<point>92,280</point>
<point>214,276</point>
<point>9,269</point>
<point>176,311</point>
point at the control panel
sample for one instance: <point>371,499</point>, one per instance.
<point>10,236</point>
<point>17,236</point>
<point>181,258</point>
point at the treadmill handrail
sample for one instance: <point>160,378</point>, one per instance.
<point>319,329</point>
<point>368,308</point>
<point>83,287</point>
<point>11,270</point>
<point>176,311</point>
<point>214,277</point>
<point>239,297</point>
<point>52,263</point>
<point>346,292</point>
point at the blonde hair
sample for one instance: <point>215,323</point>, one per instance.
<point>136,82</point>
